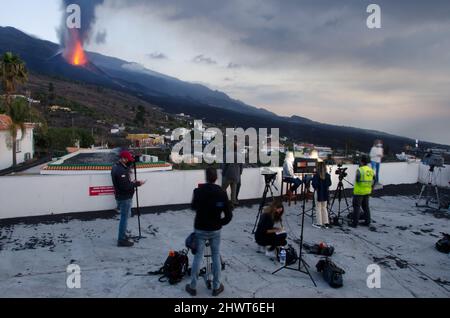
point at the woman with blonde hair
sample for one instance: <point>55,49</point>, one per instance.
<point>322,183</point>
<point>270,232</point>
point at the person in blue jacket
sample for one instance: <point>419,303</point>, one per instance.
<point>321,182</point>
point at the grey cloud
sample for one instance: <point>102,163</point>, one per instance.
<point>157,56</point>
<point>233,65</point>
<point>201,59</point>
<point>100,37</point>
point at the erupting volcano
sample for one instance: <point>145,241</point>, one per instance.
<point>74,52</point>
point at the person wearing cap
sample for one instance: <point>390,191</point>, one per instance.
<point>124,191</point>
<point>365,177</point>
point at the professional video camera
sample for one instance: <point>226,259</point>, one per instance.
<point>433,160</point>
<point>341,172</point>
<point>137,157</point>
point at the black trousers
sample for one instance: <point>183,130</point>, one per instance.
<point>361,201</point>
<point>273,240</point>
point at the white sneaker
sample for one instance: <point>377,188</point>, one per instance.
<point>261,249</point>
<point>317,226</point>
<point>271,254</point>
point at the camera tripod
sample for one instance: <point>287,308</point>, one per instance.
<point>138,209</point>
<point>339,194</point>
<point>303,267</point>
<point>428,191</point>
<point>270,183</point>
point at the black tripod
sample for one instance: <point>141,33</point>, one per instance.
<point>138,209</point>
<point>303,267</point>
<point>429,193</point>
<point>339,194</point>
<point>307,185</point>
<point>270,182</point>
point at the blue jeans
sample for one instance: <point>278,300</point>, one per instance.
<point>125,210</point>
<point>214,241</point>
<point>376,168</point>
<point>295,182</point>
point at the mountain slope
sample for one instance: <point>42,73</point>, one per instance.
<point>176,96</point>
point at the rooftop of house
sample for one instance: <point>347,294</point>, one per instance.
<point>34,257</point>
<point>5,122</point>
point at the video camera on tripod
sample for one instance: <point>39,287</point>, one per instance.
<point>341,172</point>
<point>433,160</point>
<point>270,177</point>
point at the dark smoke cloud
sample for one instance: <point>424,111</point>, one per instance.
<point>100,38</point>
<point>87,19</point>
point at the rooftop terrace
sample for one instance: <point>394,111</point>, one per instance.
<point>34,257</point>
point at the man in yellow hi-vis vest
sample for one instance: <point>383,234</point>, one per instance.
<point>365,178</point>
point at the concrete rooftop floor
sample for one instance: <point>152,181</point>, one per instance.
<point>34,258</point>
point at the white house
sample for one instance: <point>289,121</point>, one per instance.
<point>25,146</point>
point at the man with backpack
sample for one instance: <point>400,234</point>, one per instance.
<point>209,202</point>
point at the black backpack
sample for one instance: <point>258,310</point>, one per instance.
<point>332,274</point>
<point>174,269</point>
<point>317,249</point>
<point>291,255</point>
<point>443,245</point>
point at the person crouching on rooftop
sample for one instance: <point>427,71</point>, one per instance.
<point>209,201</point>
<point>270,232</point>
<point>124,192</point>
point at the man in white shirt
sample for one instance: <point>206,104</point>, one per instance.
<point>376,156</point>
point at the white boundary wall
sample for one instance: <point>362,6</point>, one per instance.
<point>441,176</point>
<point>25,196</point>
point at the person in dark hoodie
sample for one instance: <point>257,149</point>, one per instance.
<point>213,211</point>
<point>124,191</point>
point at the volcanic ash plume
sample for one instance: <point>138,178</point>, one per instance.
<point>73,40</point>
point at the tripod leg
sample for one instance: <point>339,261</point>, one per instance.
<point>437,196</point>
<point>261,207</point>
<point>307,271</point>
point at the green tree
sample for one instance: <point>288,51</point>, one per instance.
<point>19,111</point>
<point>51,93</point>
<point>12,73</point>
<point>140,116</point>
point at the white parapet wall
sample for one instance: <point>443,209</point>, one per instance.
<point>440,176</point>
<point>26,196</point>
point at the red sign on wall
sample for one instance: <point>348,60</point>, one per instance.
<point>98,191</point>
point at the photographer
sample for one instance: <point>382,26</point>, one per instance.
<point>289,175</point>
<point>362,191</point>
<point>124,192</point>
<point>270,231</point>
<point>209,202</point>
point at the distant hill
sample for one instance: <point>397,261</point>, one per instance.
<point>175,96</point>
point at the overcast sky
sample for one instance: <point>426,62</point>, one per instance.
<point>314,58</point>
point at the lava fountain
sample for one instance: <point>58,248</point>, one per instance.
<point>74,52</point>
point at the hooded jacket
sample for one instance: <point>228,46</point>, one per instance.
<point>210,201</point>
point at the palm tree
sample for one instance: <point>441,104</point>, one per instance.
<point>19,112</point>
<point>12,73</point>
